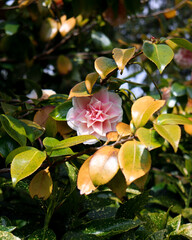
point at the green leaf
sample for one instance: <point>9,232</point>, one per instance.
<point>11,28</point>
<point>101,41</point>
<point>134,160</point>
<point>181,42</point>
<point>178,89</point>
<point>8,108</point>
<point>122,56</point>
<point>13,153</point>
<point>79,236</point>
<point>25,163</point>
<point>69,142</point>
<point>42,234</point>
<point>7,144</point>
<point>60,112</point>
<point>160,54</point>
<point>149,138</point>
<point>14,128</point>
<point>8,236</point>
<point>143,108</point>
<point>185,230</point>
<point>104,66</point>
<point>172,133</point>
<point>7,229</point>
<point>174,224</point>
<point>172,119</point>
<point>60,152</point>
<point>109,227</point>
<point>72,174</point>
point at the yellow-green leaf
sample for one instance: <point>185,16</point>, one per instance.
<point>103,165</point>
<point>172,133</point>
<point>69,142</point>
<point>122,56</point>
<point>172,119</point>
<point>79,90</point>
<point>149,138</point>
<point>112,136</point>
<point>140,182</point>
<point>123,129</point>
<point>134,160</point>
<point>160,54</point>
<point>143,109</point>
<point>90,80</point>
<point>48,29</point>
<point>41,185</point>
<point>64,64</point>
<point>84,183</point>
<point>25,163</point>
<point>104,66</point>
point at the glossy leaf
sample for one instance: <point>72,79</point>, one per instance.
<point>13,153</point>
<point>149,138</point>
<point>84,182</point>
<point>185,230</point>
<point>172,119</point>
<point>69,142</point>
<point>79,90</point>
<point>143,109</point>
<point>178,89</point>
<point>122,56</point>
<point>123,129</point>
<point>180,42</point>
<point>7,145</point>
<point>112,136</point>
<point>104,66</point>
<point>66,25</point>
<point>41,185</point>
<point>48,29</point>
<point>160,54</point>
<point>174,223</point>
<point>26,163</point>
<point>14,128</point>
<point>90,80</point>
<point>134,160</point>
<point>60,112</point>
<point>172,133</point>
<point>103,165</point>
<point>64,64</point>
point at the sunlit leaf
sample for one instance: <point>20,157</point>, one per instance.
<point>112,136</point>
<point>66,25</point>
<point>79,90</point>
<point>103,165</point>
<point>160,54</point>
<point>48,29</point>
<point>41,185</point>
<point>64,64</point>
<point>185,230</point>
<point>122,56</point>
<point>24,3</point>
<point>188,127</point>
<point>172,133</point>
<point>104,66</point>
<point>149,138</point>
<point>84,182</point>
<point>143,109</point>
<point>134,160</point>
<point>8,236</point>
<point>171,119</point>
<point>60,112</point>
<point>170,14</point>
<point>90,80</point>
<point>69,142</point>
<point>123,129</point>
<point>16,151</point>
<point>180,42</point>
<point>14,128</point>
<point>25,163</point>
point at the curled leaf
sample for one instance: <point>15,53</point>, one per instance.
<point>90,80</point>
<point>104,66</point>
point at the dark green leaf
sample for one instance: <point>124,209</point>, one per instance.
<point>178,89</point>
<point>60,112</point>
<point>42,234</point>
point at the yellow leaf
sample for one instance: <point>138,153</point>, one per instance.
<point>170,14</point>
<point>90,80</point>
<point>48,29</point>
<point>41,185</point>
<point>84,183</point>
<point>66,25</point>
<point>104,66</point>
<point>188,128</point>
<point>172,133</point>
<point>64,64</point>
<point>112,136</point>
<point>134,160</point>
<point>24,3</point>
<point>143,109</point>
<point>79,90</point>
<point>122,56</point>
<point>123,129</point>
<point>103,165</point>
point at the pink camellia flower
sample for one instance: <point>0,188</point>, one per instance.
<point>95,115</point>
<point>183,58</point>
